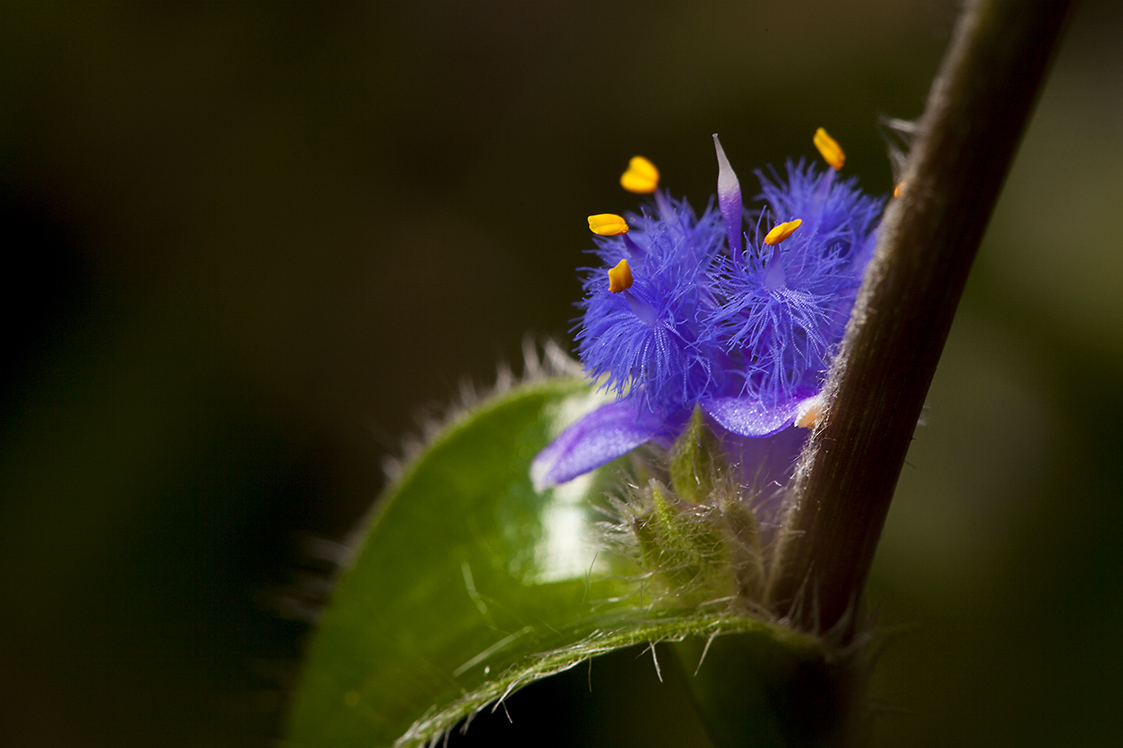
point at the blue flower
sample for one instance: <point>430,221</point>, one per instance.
<point>697,313</point>
<point>653,343</point>
<point>786,301</point>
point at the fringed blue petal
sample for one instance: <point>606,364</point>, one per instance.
<point>833,209</point>
<point>783,337</point>
<point>655,342</point>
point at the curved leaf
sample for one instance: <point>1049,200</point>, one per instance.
<point>470,584</point>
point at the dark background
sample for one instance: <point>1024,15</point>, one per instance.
<point>248,242</point>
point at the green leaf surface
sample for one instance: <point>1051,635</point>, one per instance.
<point>470,585</point>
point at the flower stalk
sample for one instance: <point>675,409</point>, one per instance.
<point>976,112</point>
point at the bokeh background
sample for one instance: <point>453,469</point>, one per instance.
<point>249,242</point>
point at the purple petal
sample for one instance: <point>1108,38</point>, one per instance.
<point>608,432</point>
<point>748,416</point>
<point>766,465</point>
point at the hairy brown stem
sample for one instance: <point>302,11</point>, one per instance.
<point>975,115</point>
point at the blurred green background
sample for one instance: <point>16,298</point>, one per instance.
<point>248,242</point>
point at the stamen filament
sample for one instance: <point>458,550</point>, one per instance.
<point>635,249</point>
<point>774,277</point>
<point>643,311</point>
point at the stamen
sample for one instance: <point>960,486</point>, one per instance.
<point>729,200</point>
<point>620,277</point>
<point>607,224</point>
<point>829,148</point>
<point>635,249</point>
<point>781,232</point>
<point>644,312</point>
<point>641,177</point>
<point>774,277</point>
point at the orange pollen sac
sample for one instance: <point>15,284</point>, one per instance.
<point>620,277</point>
<point>810,416</point>
<point>898,189</point>
<point>607,224</point>
<point>641,177</point>
<point>782,232</point>
<point>829,148</point>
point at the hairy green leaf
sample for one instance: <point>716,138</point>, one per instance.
<point>469,585</point>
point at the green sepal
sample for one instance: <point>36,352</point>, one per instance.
<point>697,458</point>
<point>701,474</point>
<point>686,547</point>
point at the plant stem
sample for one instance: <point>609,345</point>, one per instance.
<point>975,114</point>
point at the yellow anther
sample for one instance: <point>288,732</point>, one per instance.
<point>620,277</point>
<point>810,415</point>
<point>607,224</point>
<point>641,177</point>
<point>829,147</point>
<point>782,232</point>
<point>898,189</point>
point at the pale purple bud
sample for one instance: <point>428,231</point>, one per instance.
<point>729,200</point>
